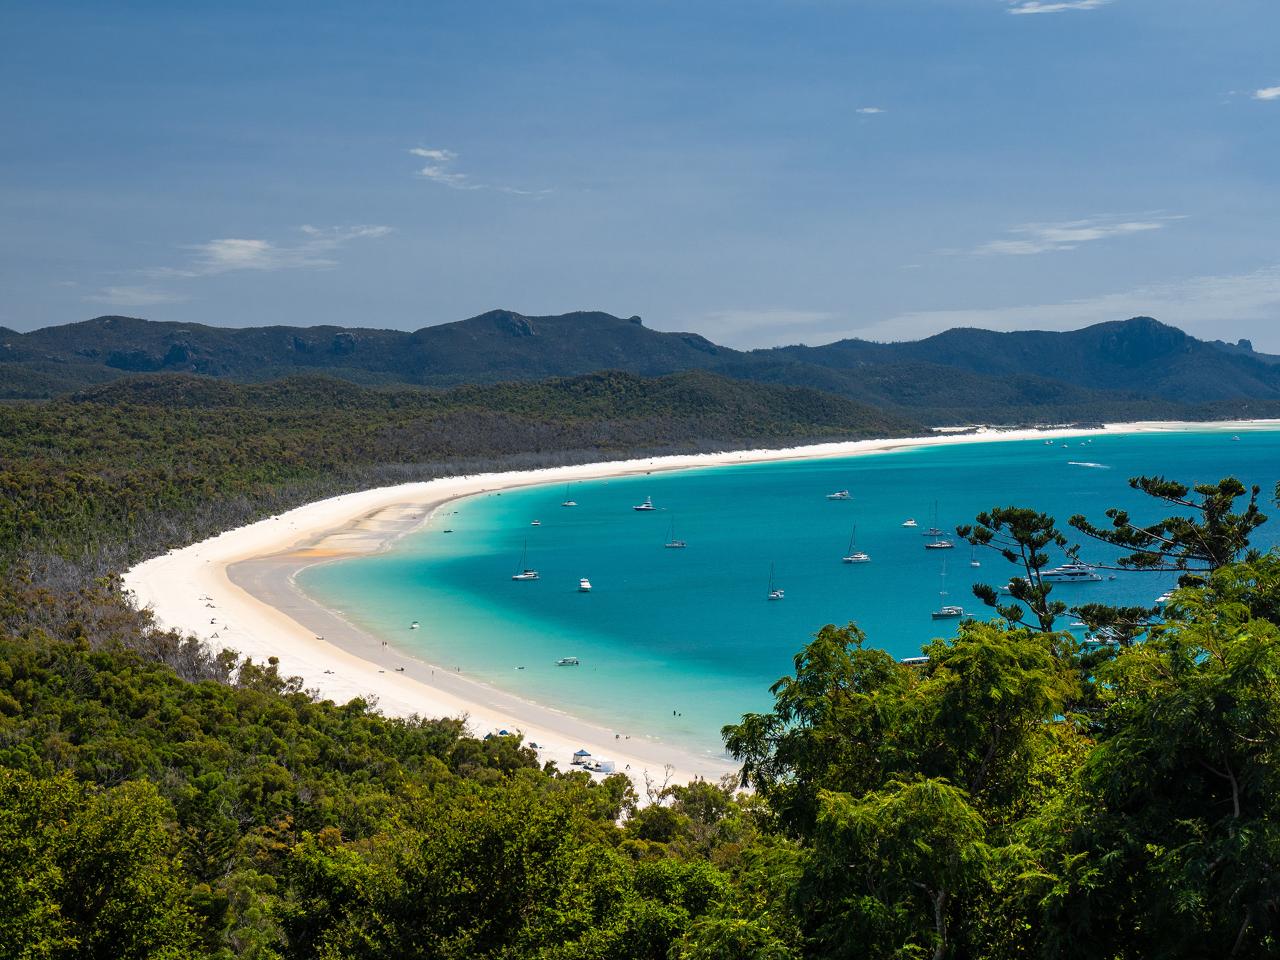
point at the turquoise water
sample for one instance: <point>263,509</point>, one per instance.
<point>676,643</point>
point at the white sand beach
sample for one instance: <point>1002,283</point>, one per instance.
<point>236,590</point>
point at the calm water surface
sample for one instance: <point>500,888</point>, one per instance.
<point>676,643</point>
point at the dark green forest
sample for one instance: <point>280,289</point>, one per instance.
<point>1016,795</point>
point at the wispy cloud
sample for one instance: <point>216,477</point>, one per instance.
<point>314,250</point>
<point>1032,238</point>
<point>440,168</point>
<point>747,328</point>
<point>1211,307</point>
<point>1055,6</point>
<point>869,111</point>
<point>1267,93</point>
<point>133,296</point>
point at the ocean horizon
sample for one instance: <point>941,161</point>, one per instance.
<point>675,643</point>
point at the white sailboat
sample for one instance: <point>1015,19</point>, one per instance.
<point>854,556</point>
<point>973,557</point>
<point>672,543</point>
<point>568,500</point>
<point>775,592</point>
<point>524,571</point>
<point>946,611</point>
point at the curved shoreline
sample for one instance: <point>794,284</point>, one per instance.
<point>238,590</point>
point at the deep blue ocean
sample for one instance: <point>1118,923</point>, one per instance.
<point>676,643</point>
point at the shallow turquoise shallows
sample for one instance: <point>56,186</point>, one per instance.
<point>674,643</point>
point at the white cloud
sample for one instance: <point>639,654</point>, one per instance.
<point>439,169</point>
<point>314,251</point>
<point>133,296</point>
<point>1032,238</point>
<point>869,110</point>
<point>1041,6</point>
<point>227,254</point>
<point>1211,307</point>
<point>1267,93</point>
<point>745,329</point>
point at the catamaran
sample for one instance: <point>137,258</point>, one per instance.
<point>672,543</point>
<point>775,593</point>
<point>647,505</point>
<point>854,556</point>
<point>568,500</point>
<point>946,611</point>
<point>524,572</point>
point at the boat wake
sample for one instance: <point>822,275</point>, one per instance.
<point>1088,463</point>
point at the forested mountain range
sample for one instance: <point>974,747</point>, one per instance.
<point>1125,369</point>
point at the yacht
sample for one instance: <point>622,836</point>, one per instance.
<point>973,557</point>
<point>524,572</point>
<point>584,585</point>
<point>940,544</point>
<point>535,523</point>
<point>839,495</point>
<point>1073,572</point>
<point>775,592</point>
<point>568,500</point>
<point>672,543</point>
<point>934,530</point>
<point>909,522</point>
<point>855,556</point>
<point>946,611</point>
<point>1164,598</point>
<point>414,625</point>
<point>647,505</point>
<point>567,662</point>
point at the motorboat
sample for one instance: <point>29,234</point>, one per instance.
<point>909,522</point>
<point>1074,572</point>
<point>940,544</point>
<point>414,625</point>
<point>646,506</point>
<point>567,662</point>
<point>839,495</point>
<point>584,585</point>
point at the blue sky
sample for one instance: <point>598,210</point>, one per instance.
<point>759,172</point>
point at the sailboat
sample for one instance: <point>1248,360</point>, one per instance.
<point>525,572</point>
<point>775,593</point>
<point>946,611</point>
<point>934,530</point>
<point>672,543</point>
<point>854,556</point>
<point>568,500</point>
<point>939,540</point>
<point>973,557</point>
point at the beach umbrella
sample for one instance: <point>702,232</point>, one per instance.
<point>582,753</point>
